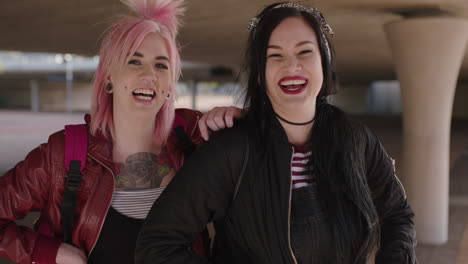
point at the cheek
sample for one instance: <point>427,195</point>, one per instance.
<point>270,73</point>
<point>123,82</point>
<point>314,68</point>
<point>166,81</point>
<point>318,65</point>
<point>123,86</point>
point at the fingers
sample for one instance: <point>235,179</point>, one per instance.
<point>215,118</point>
<point>232,113</point>
<point>228,117</point>
<point>229,120</point>
<point>218,118</point>
<point>68,254</point>
<point>215,122</point>
<point>203,128</point>
<point>211,121</point>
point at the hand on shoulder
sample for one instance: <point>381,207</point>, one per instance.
<point>68,254</point>
<point>218,118</point>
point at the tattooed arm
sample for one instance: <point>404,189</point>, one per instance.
<point>144,170</point>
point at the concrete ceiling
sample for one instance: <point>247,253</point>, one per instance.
<point>214,30</point>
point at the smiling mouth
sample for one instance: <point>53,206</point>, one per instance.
<point>293,85</point>
<point>144,94</point>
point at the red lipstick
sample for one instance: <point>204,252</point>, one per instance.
<point>293,84</point>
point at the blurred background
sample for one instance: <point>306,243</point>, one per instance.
<point>402,65</point>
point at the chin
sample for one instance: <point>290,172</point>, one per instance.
<point>145,112</point>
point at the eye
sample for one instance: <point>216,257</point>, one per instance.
<point>305,52</point>
<point>161,66</point>
<point>134,62</point>
<point>274,55</point>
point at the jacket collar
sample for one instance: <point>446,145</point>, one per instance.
<point>277,130</point>
<point>99,147</point>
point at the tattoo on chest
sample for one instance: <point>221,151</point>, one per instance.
<point>141,171</point>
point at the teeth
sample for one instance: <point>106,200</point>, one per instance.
<point>142,97</point>
<point>144,91</point>
<point>293,82</point>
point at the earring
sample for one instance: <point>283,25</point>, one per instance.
<point>108,88</point>
<point>168,96</point>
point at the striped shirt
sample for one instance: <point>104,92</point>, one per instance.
<point>135,203</point>
<point>300,169</point>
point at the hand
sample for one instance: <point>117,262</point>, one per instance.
<point>218,118</point>
<point>68,254</point>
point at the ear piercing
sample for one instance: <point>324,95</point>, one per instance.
<point>108,88</point>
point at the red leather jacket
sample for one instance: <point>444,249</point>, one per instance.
<point>37,184</point>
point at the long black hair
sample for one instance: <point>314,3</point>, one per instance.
<point>338,164</point>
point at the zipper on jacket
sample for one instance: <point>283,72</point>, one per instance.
<point>108,205</point>
<point>289,208</point>
<point>396,177</point>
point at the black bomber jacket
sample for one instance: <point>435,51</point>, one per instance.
<point>254,227</point>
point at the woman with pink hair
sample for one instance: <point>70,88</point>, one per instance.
<point>133,150</point>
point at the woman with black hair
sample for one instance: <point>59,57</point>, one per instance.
<point>296,181</point>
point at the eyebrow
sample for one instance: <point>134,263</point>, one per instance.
<point>297,45</point>
<point>137,54</point>
<point>305,42</point>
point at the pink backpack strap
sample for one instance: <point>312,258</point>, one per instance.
<point>76,145</point>
<point>76,149</point>
<point>180,129</point>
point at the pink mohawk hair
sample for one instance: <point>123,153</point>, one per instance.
<point>120,41</point>
<point>166,12</point>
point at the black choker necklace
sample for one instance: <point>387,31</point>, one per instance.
<point>295,124</point>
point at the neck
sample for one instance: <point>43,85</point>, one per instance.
<point>297,134</point>
<point>132,135</point>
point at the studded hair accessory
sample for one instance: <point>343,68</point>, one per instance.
<point>324,26</point>
<point>314,11</point>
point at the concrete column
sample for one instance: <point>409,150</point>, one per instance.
<point>34,85</point>
<point>194,86</point>
<point>427,53</point>
<point>69,82</point>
